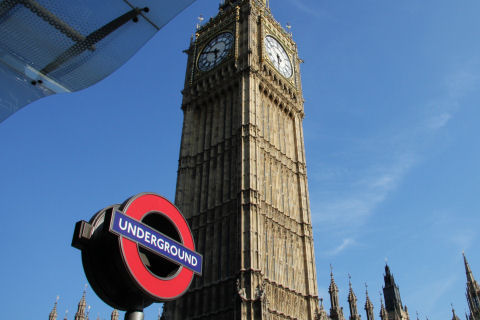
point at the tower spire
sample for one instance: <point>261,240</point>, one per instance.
<point>82,305</point>
<point>473,292</point>
<point>114,315</point>
<point>321,314</point>
<point>352,301</point>
<point>53,314</point>
<point>383,312</point>
<point>393,302</point>
<point>468,271</point>
<point>368,305</point>
<point>336,312</point>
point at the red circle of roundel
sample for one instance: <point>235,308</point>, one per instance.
<point>162,289</point>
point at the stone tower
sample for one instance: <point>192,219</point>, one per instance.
<point>242,180</point>
<point>336,311</point>
<point>53,314</point>
<point>352,302</point>
<point>82,305</point>
<point>368,306</point>
<point>115,315</point>
<point>473,292</point>
<point>394,309</point>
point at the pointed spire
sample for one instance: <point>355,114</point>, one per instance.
<point>473,292</point>
<point>321,314</point>
<point>53,314</point>
<point>391,292</point>
<point>368,305</point>
<point>82,305</point>
<point>468,271</point>
<point>336,312</point>
<point>383,312</point>
<point>333,289</point>
<point>66,315</point>
<point>389,280</point>
<point>114,315</point>
<point>350,281</point>
<point>352,301</point>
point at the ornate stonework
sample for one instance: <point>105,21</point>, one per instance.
<point>242,180</point>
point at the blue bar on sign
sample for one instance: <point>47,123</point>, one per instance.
<point>147,237</point>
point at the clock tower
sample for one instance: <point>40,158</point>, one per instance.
<point>242,180</point>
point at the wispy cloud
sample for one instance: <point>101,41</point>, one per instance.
<point>429,294</point>
<point>351,208</point>
<point>301,6</point>
<point>457,85</point>
<point>438,121</point>
<point>347,242</point>
<point>356,193</point>
<point>453,230</point>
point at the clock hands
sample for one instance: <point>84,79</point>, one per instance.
<point>214,52</point>
<point>278,56</point>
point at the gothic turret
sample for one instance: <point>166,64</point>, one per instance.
<point>383,312</point>
<point>336,312</point>
<point>53,313</point>
<point>393,302</point>
<point>473,292</point>
<point>352,302</point>
<point>115,315</point>
<point>82,305</point>
<point>368,305</point>
<point>391,292</point>
<point>321,314</point>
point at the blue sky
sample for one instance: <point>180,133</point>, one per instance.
<point>392,107</point>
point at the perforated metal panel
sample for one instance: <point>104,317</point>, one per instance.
<point>51,46</point>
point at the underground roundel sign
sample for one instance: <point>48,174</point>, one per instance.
<point>157,245</point>
<point>143,249</point>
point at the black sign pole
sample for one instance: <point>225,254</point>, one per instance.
<point>134,315</point>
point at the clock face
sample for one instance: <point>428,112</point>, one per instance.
<point>278,56</point>
<point>215,51</point>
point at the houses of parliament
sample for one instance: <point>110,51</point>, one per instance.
<point>242,181</point>
<point>391,308</point>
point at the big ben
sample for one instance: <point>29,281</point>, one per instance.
<point>242,182</point>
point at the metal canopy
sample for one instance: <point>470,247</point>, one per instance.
<point>52,46</point>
